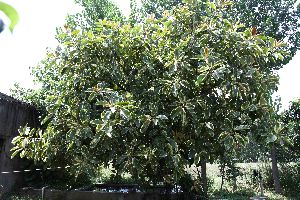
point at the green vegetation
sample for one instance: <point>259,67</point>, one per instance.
<point>247,185</point>
<point>172,92</point>
<point>166,90</point>
<point>11,13</point>
<point>279,19</point>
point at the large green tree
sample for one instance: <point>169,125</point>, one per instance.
<point>152,98</point>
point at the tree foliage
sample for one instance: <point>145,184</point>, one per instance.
<point>279,19</point>
<point>155,97</point>
<point>291,119</point>
<point>92,12</point>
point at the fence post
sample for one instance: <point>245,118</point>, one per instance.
<point>1,191</point>
<point>44,192</point>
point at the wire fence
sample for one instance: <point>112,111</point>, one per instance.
<point>33,170</point>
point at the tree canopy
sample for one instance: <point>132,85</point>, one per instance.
<point>92,12</point>
<point>279,19</point>
<point>153,97</point>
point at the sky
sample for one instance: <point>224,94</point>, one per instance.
<point>26,46</point>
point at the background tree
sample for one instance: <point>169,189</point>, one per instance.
<point>154,97</point>
<point>291,119</point>
<point>279,19</point>
<point>92,12</point>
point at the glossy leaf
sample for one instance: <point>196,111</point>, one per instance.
<point>11,13</point>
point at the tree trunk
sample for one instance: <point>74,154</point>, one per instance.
<point>222,174</point>
<point>204,180</point>
<point>275,171</point>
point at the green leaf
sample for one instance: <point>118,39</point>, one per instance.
<point>92,96</point>
<point>102,103</point>
<point>46,119</point>
<point>145,125</point>
<point>209,125</point>
<point>279,56</point>
<point>75,33</point>
<point>183,117</point>
<point>106,115</point>
<point>90,34</point>
<point>278,128</point>
<point>176,112</point>
<point>124,113</point>
<point>228,142</point>
<point>15,152</point>
<point>173,143</point>
<point>96,121</point>
<point>203,69</point>
<point>162,117</point>
<point>227,23</point>
<point>271,138</point>
<point>121,159</point>
<point>197,159</point>
<point>212,5</point>
<point>95,142</point>
<point>108,129</point>
<point>11,13</point>
<point>176,160</point>
<point>241,127</point>
<point>200,79</point>
<point>262,101</point>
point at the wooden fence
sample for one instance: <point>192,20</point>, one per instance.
<point>13,115</point>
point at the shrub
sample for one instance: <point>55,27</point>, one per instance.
<point>290,178</point>
<point>289,174</point>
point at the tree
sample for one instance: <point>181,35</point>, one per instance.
<point>291,119</point>
<point>92,12</point>
<point>279,19</point>
<point>152,98</point>
<point>271,127</point>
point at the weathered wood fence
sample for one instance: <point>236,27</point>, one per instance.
<point>13,115</point>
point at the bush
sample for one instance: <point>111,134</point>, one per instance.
<point>289,174</point>
<point>290,178</point>
<point>240,193</point>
